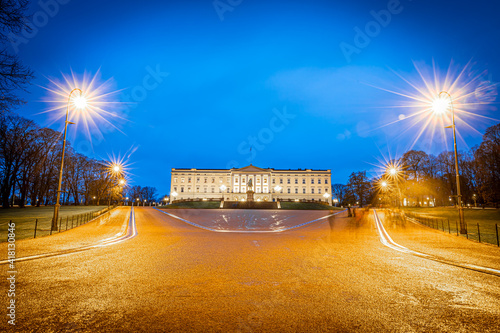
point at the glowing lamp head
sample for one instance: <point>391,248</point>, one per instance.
<point>384,184</point>
<point>80,102</point>
<point>393,171</point>
<point>116,168</point>
<point>122,182</point>
<point>440,105</point>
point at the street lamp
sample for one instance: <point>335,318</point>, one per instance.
<point>440,105</point>
<point>277,188</point>
<point>393,172</point>
<point>174,194</point>
<point>326,196</point>
<point>335,201</point>
<point>222,189</point>
<point>79,102</point>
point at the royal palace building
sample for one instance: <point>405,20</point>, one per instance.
<point>267,184</point>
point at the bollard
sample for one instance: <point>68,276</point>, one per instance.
<point>496,229</point>
<point>478,233</point>
<point>36,222</point>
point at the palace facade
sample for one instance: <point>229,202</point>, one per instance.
<point>268,184</point>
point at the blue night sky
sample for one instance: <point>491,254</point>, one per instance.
<point>272,74</point>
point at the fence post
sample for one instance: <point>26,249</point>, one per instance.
<point>36,222</point>
<point>10,222</point>
<point>496,229</point>
<point>478,233</point>
<point>449,230</point>
<point>67,217</point>
<point>60,221</point>
<point>72,221</point>
<point>456,225</point>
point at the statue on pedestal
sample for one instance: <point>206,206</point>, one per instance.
<point>250,191</point>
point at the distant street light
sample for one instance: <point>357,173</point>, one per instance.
<point>174,194</point>
<point>393,172</point>
<point>79,102</point>
<point>326,196</point>
<point>277,189</point>
<point>222,189</point>
<point>441,105</point>
<point>335,201</point>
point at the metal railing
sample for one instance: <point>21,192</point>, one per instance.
<point>453,227</point>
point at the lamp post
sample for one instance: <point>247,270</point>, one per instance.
<point>326,196</point>
<point>277,188</point>
<point>79,103</point>
<point>222,189</point>
<point>440,105</point>
<point>335,202</point>
<point>174,195</point>
<point>393,172</point>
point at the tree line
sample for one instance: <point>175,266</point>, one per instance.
<point>30,160</point>
<point>423,176</point>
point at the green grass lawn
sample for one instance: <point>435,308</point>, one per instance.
<point>486,218</point>
<point>24,218</point>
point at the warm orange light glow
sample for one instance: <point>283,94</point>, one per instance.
<point>80,102</point>
<point>440,105</point>
<point>425,113</point>
<point>95,106</point>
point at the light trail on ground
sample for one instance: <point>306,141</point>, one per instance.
<point>387,241</point>
<point>130,232</point>
<point>249,231</point>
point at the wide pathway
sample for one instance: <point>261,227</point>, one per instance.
<point>331,275</point>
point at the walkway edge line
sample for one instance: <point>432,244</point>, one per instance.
<point>130,233</point>
<point>387,241</point>
<point>248,231</point>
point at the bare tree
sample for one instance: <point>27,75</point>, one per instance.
<point>14,76</point>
